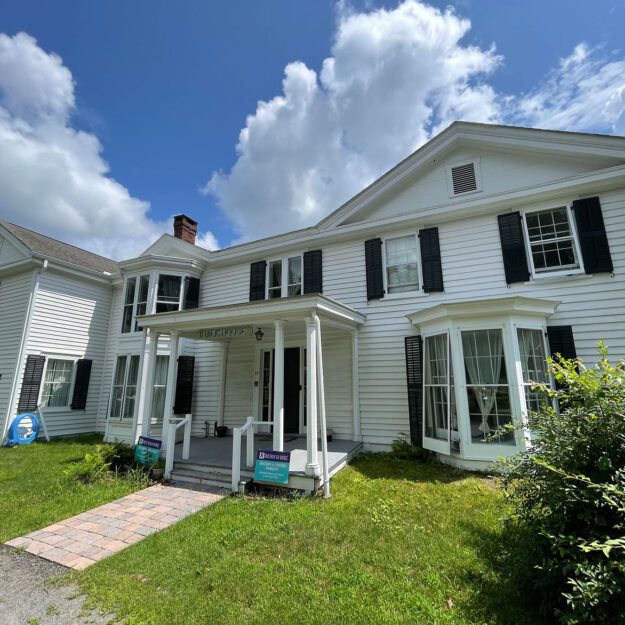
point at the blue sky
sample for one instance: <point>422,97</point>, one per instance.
<point>165,88</point>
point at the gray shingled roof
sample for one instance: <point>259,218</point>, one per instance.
<point>51,248</point>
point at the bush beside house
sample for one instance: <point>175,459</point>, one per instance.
<point>568,494</point>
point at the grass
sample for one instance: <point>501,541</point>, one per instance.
<point>35,491</point>
<point>399,542</point>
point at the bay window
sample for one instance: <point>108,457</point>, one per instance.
<point>488,391</point>
<point>436,386</point>
<point>479,361</point>
<point>169,293</point>
<point>124,393</point>
<point>135,302</point>
<point>533,366</point>
<point>57,383</point>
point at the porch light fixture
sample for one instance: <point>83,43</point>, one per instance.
<point>259,334</point>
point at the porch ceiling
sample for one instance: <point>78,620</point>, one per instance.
<point>254,314</point>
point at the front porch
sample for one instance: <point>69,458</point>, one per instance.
<point>210,460</point>
<point>275,366</point>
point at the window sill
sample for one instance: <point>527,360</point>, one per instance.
<point>559,275</point>
<point>53,409</point>
<point>404,295</point>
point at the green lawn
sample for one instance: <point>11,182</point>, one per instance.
<point>396,542</point>
<point>34,491</point>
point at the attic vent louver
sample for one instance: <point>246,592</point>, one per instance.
<point>463,178</point>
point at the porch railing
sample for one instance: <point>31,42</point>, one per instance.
<point>237,433</point>
<point>175,423</point>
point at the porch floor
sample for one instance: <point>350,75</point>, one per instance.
<point>217,452</point>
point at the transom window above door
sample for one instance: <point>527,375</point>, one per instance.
<point>551,239</point>
<point>402,269</point>
<point>284,277</point>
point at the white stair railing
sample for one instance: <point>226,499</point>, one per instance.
<point>237,433</point>
<point>175,423</point>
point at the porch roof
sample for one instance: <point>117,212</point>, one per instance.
<point>255,313</point>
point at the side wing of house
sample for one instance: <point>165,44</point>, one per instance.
<point>68,333</point>
<point>16,290</point>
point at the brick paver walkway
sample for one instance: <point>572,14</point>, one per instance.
<point>83,539</point>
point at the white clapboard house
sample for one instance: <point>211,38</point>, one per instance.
<point>424,307</point>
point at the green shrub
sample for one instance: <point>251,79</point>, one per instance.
<point>567,494</point>
<point>107,460</point>
<point>403,449</point>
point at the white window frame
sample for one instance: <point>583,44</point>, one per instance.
<point>402,294</point>
<point>181,295</point>
<point>522,384</point>
<point>477,168</point>
<point>50,357</point>
<point>121,419</point>
<point>284,286</point>
<point>437,444</point>
<point>133,322</point>
<point>553,272</point>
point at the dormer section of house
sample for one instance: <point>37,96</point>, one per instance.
<point>55,302</point>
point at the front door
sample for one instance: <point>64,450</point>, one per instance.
<point>292,388</point>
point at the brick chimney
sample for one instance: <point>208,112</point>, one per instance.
<point>185,228</point>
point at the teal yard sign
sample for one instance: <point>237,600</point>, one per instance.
<point>272,466</point>
<point>147,450</point>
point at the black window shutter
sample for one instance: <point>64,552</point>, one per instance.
<point>513,247</point>
<point>593,239</point>
<point>81,384</point>
<point>561,341</point>
<point>192,293</point>
<point>257,280</point>
<point>33,372</point>
<point>414,378</point>
<point>431,266</point>
<point>184,385</point>
<point>313,272</point>
<point>373,263</point>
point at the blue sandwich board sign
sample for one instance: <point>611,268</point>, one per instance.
<point>272,466</point>
<point>148,450</point>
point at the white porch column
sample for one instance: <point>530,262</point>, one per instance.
<point>144,413</point>
<point>170,390</point>
<point>312,460</point>
<point>356,430</point>
<point>278,387</point>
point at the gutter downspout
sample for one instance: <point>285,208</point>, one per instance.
<point>23,342</point>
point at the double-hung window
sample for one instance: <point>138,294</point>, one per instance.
<point>124,394</point>
<point>169,293</point>
<point>135,302</point>
<point>438,386</point>
<point>160,387</point>
<point>57,383</point>
<point>402,269</point>
<point>285,277</point>
<point>488,391</point>
<point>551,240</point>
<point>533,366</point>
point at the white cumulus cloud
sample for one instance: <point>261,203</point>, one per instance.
<point>53,178</point>
<point>395,78</point>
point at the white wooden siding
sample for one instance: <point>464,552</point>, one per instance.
<point>501,171</point>
<point>15,293</point>
<point>71,319</point>
<point>473,269</point>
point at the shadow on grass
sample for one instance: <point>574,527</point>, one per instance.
<point>504,591</point>
<point>384,466</point>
